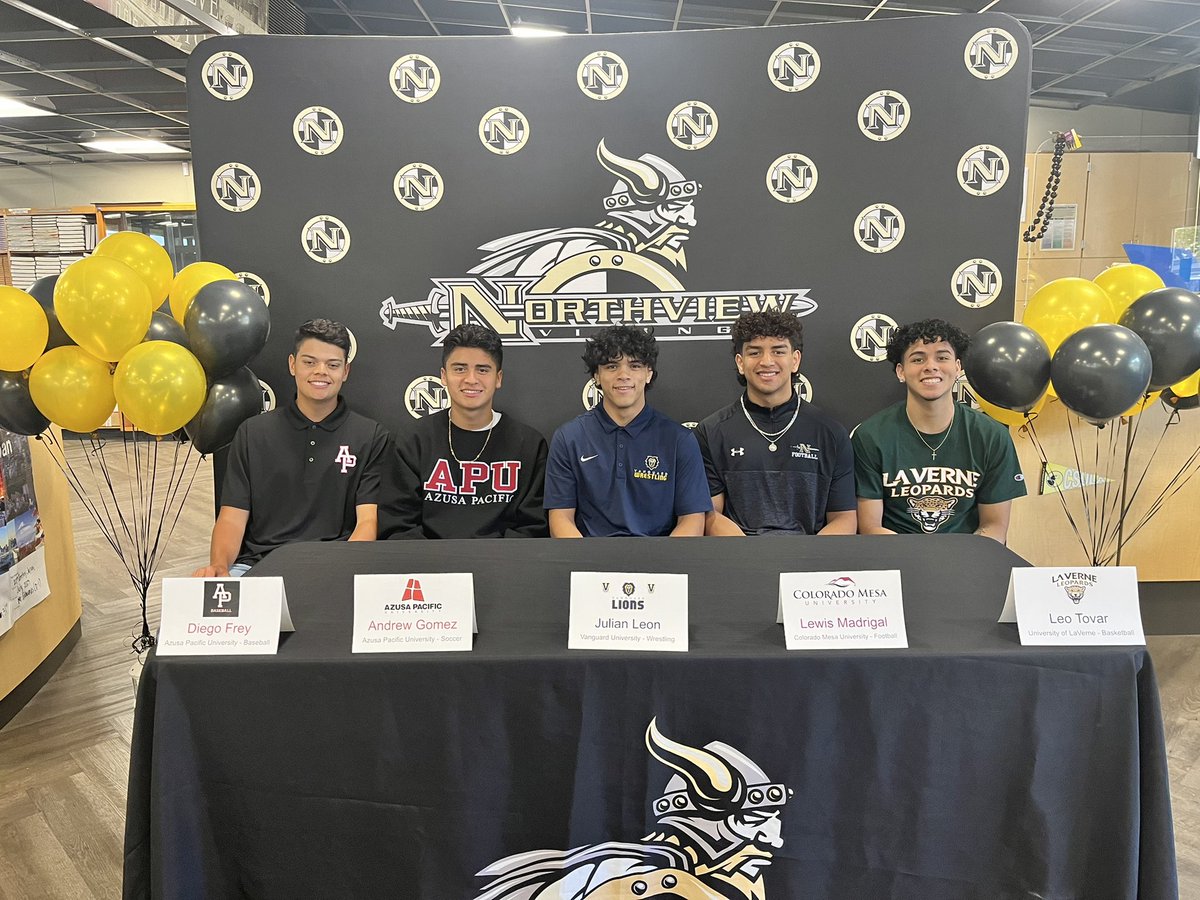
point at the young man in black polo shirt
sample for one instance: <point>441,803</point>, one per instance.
<point>470,471</point>
<point>308,471</point>
<point>775,464</point>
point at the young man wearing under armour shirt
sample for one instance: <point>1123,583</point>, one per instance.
<point>308,471</point>
<point>928,464</point>
<point>470,471</point>
<point>624,468</point>
<point>775,464</point>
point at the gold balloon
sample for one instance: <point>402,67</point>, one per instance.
<point>72,389</point>
<point>1189,387</point>
<point>189,280</point>
<point>145,256</point>
<point>160,386</point>
<point>25,330</point>
<point>1059,309</point>
<point>1004,416</point>
<point>1126,282</point>
<point>1140,407</point>
<point>103,305</point>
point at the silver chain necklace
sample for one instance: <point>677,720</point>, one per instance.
<point>933,450</point>
<point>770,438</point>
<point>450,441</point>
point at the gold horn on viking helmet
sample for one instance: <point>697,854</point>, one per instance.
<point>710,777</point>
<point>643,180</point>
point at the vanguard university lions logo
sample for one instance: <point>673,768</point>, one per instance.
<point>564,284</point>
<point>718,821</point>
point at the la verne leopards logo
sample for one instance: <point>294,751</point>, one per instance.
<point>557,284</point>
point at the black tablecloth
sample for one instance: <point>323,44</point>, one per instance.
<point>967,766</point>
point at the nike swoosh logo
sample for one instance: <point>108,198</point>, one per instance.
<point>586,458</point>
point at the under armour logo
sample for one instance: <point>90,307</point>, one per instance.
<point>346,458</point>
<point>737,451</point>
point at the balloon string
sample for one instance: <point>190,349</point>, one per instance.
<point>1041,452</point>
<point>1083,492</point>
<point>1120,537</point>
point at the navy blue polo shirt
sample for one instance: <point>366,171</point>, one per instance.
<point>301,480</point>
<point>624,481</point>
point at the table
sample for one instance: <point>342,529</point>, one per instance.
<point>967,766</point>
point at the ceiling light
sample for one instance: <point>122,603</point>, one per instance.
<point>15,109</point>
<point>133,146</point>
<point>520,29</point>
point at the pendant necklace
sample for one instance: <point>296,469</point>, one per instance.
<point>933,450</point>
<point>771,438</point>
<point>450,441</point>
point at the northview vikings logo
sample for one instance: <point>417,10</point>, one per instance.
<point>564,284</point>
<point>718,823</point>
<point>931,512</point>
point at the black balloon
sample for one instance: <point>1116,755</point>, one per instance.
<point>1009,365</point>
<point>1101,371</point>
<point>163,327</point>
<point>42,291</point>
<point>17,412</point>
<point>227,324</point>
<point>1168,320</point>
<point>230,402</point>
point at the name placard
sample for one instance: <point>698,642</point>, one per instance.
<point>842,610</point>
<point>413,613</point>
<point>628,611</point>
<point>1083,606</point>
<point>222,616</point>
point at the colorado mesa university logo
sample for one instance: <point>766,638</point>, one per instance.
<point>556,285</point>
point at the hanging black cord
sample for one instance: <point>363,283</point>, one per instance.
<point>1041,221</point>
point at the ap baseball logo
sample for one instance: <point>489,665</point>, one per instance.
<point>222,598</point>
<point>235,187</point>
<point>414,78</point>
<point>990,53</point>
<point>602,75</point>
<point>227,75</point>
<point>346,458</point>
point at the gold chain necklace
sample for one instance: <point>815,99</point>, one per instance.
<point>450,441</point>
<point>932,450</point>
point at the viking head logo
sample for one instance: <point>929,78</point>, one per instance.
<point>931,512</point>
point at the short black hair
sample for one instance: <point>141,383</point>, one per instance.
<point>769,323</point>
<point>927,331</point>
<point>325,330</point>
<point>616,341</point>
<point>478,336</point>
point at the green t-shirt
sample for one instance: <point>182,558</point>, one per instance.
<point>976,464</point>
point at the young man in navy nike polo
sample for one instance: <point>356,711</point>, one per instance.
<point>624,468</point>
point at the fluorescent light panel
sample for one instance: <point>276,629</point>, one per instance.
<point>15,109</point>
<point>522,30</point>
<point>133,146</point>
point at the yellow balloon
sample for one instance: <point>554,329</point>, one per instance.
<point>1007,416</point>
<point>189,280</point>
<point>72,389</point>
<point>145,256</point>
<point>1189,387</point>
<point>103,306</point>
<point>159,386</point>
<point>1140,407</point>
<point>1059,309</point>
<point>1125,282</point>
<point>25,330</point>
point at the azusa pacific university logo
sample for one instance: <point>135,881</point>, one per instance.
<point>414,78</point>
<point>602,75</point>
<point>791,178</point>
<point>227,75</point>
<point>222,598</point>
<point>883,116</point>
<point>325,239</point>
<point>879,228</point>
<point>347,459</point>
<point>235,187</point>
<point>556,285</point>
<point>982,170</point>
<point>990,53</point>
<point>976,283</point>
<point>870,335</point>
<point>318,130</point>
<point>718,825</point>
<point>793,66</point>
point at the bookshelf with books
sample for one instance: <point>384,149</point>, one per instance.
<point>35,243</point>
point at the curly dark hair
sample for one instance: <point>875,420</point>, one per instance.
<point>616,341</point>
<point>770,323</point>
<point>478,336</point>
<point>325,330</point>
<point>927,331</point>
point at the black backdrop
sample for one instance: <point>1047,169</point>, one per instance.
<point>287,130</point>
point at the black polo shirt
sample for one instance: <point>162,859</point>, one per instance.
<point>301,480</point>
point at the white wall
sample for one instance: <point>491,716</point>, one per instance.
<point>1114,128</point>
<point>73,184</point>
